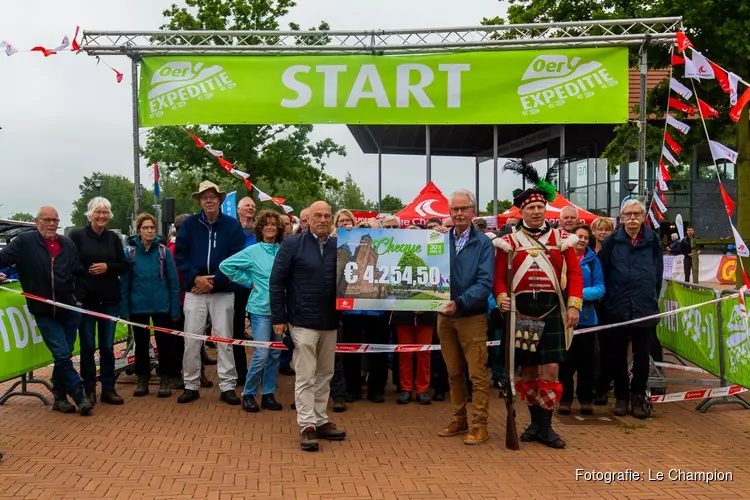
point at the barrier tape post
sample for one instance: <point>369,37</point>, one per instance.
<point>26,378</point>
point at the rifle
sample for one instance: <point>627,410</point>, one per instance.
<point>511,433</point>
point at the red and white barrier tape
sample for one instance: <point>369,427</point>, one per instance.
<point>682,368</point>
<point>342,348</point>
<point>717,392</point>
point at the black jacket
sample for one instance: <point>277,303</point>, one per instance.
<point>106,248</point>
<point>60,279</point>
<point>303,283</point>
<point>632,277</point>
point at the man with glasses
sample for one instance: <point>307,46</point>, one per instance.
<point>633,264</point>
<point>36,254</point>
<point>303,297</point>
<point>205,240</point>
<point>462,325</point>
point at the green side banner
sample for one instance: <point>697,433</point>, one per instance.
<point>489,87</point>
<point>22,348</point>
<point>693,334</point>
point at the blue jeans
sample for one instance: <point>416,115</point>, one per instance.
<point>90,326</point>
<point>265,362</point>
<point>59,334</point>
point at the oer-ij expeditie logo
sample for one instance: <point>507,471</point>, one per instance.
<point>553,80</point>
<point>176,83</point>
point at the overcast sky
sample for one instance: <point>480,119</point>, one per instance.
<point>63,117</point>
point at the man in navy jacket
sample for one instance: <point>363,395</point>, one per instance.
<point>462,325</point>
<point>303,296</point>
<point>204,241</point>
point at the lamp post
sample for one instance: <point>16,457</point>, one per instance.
<point>98,185</point>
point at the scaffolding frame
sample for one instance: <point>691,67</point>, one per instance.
<point>574,34</point>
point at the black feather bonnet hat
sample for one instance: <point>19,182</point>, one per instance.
<point>542,189</point>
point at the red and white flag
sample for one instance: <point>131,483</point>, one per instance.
<point>262,196</point>
<point>225,164</point>
<point>721,152</point>
<point>287,209</point>
<point>662,207</point>
<point>9,49</point>
<point>654,223</point>
<point>680,106</point>
<point>683,42</point>
<point>681,89</point>
<point>242,174</point>
<point>721,76</point>
<point>665,152</point>
<point>677,60</point>
<point>698,67</point>
<point>63,45</point>
<point>728,201</point>
<point>214,152</point>
<point>733,81</point>
<point>707,111</point>
<point>672,143</point>
<point>736,110</point>
<point>195,138</point>
<point>681,126</point>
<point>742,249</point>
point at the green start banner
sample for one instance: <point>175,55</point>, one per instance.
<point>392,270</point>
<point>22,348</point>
<point>489,87</point>
<point>736,343</point>
<point>693,334</point>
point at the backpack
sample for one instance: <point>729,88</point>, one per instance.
<point>162,257</point>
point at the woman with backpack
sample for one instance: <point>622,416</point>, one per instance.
<point>151,295</point>
<point>581,355</point>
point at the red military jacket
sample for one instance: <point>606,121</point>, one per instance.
<point>532,272</point>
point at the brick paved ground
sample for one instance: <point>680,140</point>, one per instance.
<point>156,449</point>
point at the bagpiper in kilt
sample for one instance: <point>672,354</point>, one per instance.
<point>545,297</point>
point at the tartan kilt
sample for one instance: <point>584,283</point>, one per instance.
<point>551,348</point>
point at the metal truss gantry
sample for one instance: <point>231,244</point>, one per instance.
<point>575,34</point>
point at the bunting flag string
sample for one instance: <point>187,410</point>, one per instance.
<point>231,170</point>
<point>660,205</point>
<point>672,145</point>
<point>677,124</point>
<point>673,103</point>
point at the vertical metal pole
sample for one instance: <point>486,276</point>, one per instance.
<point>720,341</point>
<point>476,181</point>
<point>428,152</point>
<point>136,145</point>
<point>157,213</point>
<point>642,122</point>
<point>494,170</point>
<point>561,176</point>
<point>380,180</point>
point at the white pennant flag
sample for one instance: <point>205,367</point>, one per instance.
<point>733,81</point>
<point>214,152</point>
<point>698,67</point>
<point>721,152</point>
<point>287,209</point>
<point>680,226</point>
<point>10,50</point>
<point>681,126</point>
<point>668,155</point>
<point>661,183</point>
<point>659,203</point>
<point>680,88</point>
<point>742,250</point>
<point>263,196</point>
<point>654,222</point>
<point>240,173</point>
<point>63,45</point>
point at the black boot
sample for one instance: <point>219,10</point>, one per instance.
<point>268,402</point>
<point>91,394</point>
<point>142,388</point>
<point>530,433</point>
<point>164,389</point>
<point>62,404</point>
<point>546,435</point>
<point>111,397</point>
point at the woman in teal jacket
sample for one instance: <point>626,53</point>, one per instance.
<point>150,292</point>
<point>252,268</point>
<point>581,355</point>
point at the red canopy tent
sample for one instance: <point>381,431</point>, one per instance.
<point>553,212</point>
<point>430,202</point>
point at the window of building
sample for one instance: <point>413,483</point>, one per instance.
<point>578,196</point>
<point>578,173</point>
<point>592,197</point>
<point>601,170</point>
<point>591,166</point>
<point>602,203</point>
<point>726,170</point>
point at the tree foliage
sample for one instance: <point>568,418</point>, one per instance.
<point>349,196</point>
<point>502,206</point>
<point>410,259</point>
<point>273,155</point>
<point>119,191</point>
<point>22,217</point>
<point>391,204</point>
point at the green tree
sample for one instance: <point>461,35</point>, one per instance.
<point>22,217</point>
<point>274,155</point>
<point>502,206</point>
<point>410,259</point>
<point>349,196</point>
<point>391,204</point>
<point>119,191</point>
<point>717,28</point>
